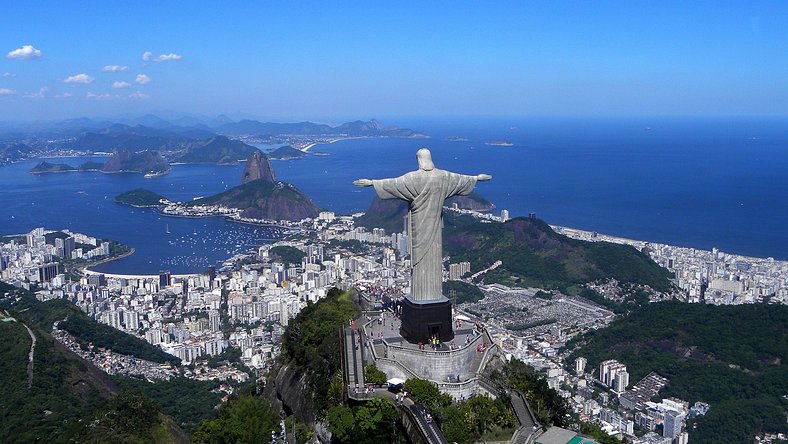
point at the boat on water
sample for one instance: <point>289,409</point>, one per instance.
<point>153,175</point>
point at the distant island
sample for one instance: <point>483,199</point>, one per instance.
<point>149,163</point>
<point>46,167</point>
<point>286,153</point>
<point>146,162</point>
<point>499,142</point>
<point>140,197</point>
<point>456,139</point>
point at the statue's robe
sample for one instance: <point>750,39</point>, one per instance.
<point>425,192</point>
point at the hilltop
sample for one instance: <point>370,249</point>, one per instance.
<point>260,199</point>
<point>218,149</point>
<point>86,331</point>
<point>286,153</point>
<point>370,128</point>
<point>139,162</point>
<point>533,255</point>
<point>140,197</point>
<point>69,400</point>
<point>260,196</point>
<point>389,213</point>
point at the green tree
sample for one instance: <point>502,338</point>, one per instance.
<point>426,393</point>
<point>373,375</point>
<point>311,342</point>
<point>340,423</point>
<point>242,420</point>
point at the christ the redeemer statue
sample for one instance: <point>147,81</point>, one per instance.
<point>426,312</point>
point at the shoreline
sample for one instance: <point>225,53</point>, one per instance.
<point>604,237</point>
<point>312,145</point>
<point>86,269</point>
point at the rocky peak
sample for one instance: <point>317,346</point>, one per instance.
<point>258,167</point>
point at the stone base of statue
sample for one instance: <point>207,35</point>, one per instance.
<point>460,366</point>
<point>424,320</point>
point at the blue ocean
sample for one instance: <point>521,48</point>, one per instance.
<point>714,182</point>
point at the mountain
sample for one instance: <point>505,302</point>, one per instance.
<point>473,201</point>
<point>260,199</point>
<point>258,168</point>
<point>357,128</point>
<point>139,162</point>
<point>12,152</point>
<point>389,213</point>
<point>46,167</point>
<point>219,120</point>
<point>140,197</point>
<point>360,127</point>
<point>86,330</point>
<point>152,121</point>
<point>254,127</point>
<point>63,398</point>
<point>533,255</point>
<point>732,357</point>
<point>218,149</point>
<point>119,137</point>
<point>286,152</point>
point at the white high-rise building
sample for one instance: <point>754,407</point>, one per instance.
<point>621,381</point>
<point>504,215</point>
<point>580,365</point>
<point>608,371</point>
<point>132,320</point>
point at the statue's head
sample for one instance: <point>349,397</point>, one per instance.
<point>425,159</point>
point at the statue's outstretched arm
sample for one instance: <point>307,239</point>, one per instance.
<point>362,183</point>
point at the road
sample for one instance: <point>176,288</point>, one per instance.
<point>30,357</point>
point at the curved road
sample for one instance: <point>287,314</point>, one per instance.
<point>5,317</point>
<point>30,358</point>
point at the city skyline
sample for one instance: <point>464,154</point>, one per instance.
<point>282,61</point>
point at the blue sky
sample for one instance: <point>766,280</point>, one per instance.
<point>330,61</point>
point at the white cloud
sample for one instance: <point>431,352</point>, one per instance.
<point>92,96</point>
<point>24,53</point>
<point>143,79</point>
<point>168,57</point>
<point>9,74</point>
<point>63,96</point>
<point>121,84</point>
<point>171,57</point>
<point>138,95</point>
<point>115,68</point>
<point>79,78</point>
<point>6,92</point>
<point>36,95</point>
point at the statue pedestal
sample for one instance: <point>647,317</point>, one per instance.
<point>424,320</point>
